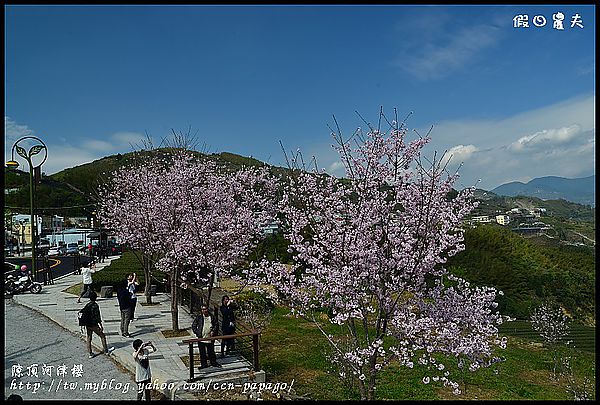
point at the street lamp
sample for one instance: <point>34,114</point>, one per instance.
<point>13,164</point>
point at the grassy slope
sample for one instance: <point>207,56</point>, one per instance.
<point>528,272</point>
<point>293,349</point>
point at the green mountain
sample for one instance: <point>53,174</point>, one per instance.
<point>492,204</point>
<point>73,191</point>
<point>526,269</point>
<point>527,272</point>
<point>579,190</point>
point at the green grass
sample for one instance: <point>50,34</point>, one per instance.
<point>76,289</point>
<point>582,337</point>
<point>118,269</point>
<point>294,349</point>
<point>116,272</point>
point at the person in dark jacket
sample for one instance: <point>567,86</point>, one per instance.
<point>204,326</point>
<point>124,298</point>
<point>132,284</point>
<point>95,325</point>
<point>227,325</point>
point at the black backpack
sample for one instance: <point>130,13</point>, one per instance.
<point>85,315</point>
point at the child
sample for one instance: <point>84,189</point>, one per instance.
<point>143,374</point>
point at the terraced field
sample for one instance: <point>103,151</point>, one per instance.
<point>583,337</point>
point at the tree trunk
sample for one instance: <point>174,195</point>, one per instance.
<point>371,387</point>
<point>210,287</point>
<point>362,389</point>
<point>174,304</point>
<point>148,278</point>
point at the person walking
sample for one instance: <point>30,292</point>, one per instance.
<point>204,326</point>
<point>124,298</point>
<point>143,374</point>
<point>90,249</point>
<point>132,284</point>
<point>101,253</point>
<point>86,274</point>
<point>93,324</point>
<point>227,325</point>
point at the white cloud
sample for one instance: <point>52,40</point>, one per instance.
<point>459,153</point>
<point>443,45</point>
<point>337,169</point>
<point>128,138</point>
<point>96,145</point>
<point>14,131</point>
<point>586,70</point>
<point>558,140</point>
<point>545,139</point>
<point>65,156</point>
<point>563,145</point>
<point>64,153</point>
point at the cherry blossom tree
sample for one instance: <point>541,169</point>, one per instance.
<point>369,254</point>
<point>211,219</point>
<point>126,197</point>
<point>194,216</point>
<point>550,322</point>
<point>127,205</point>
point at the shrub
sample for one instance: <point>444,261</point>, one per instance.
<point>118,270</point>
<point>254,309</point>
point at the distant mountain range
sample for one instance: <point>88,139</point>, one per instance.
<point>74,189</point>
<point>580,190</point>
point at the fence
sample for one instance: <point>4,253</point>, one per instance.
<point>239,337</point>
<point>246,342</point>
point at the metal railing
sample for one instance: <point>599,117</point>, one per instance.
<point>255,348</point>
<point>246,342</point>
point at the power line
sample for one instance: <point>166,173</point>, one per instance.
<point>51,208</point>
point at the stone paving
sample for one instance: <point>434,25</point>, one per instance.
<point>168,370</point>
<point>44,362</point>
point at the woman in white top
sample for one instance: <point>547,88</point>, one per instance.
<point>143,375</point>
<point>86,274</point>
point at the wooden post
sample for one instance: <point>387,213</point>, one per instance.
<point>48,270</point>
<point>255,351</point>
<point>191,348</point>
<point>216,315</point>
<point>192,301</point>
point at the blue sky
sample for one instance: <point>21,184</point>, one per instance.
<point>510,103</point>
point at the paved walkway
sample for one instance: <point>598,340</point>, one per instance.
<point>168,370</point>
<point>43,361</point>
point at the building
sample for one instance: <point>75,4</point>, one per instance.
<point>537,212</point>
<point>81,236</point>
<point>78,222</point>
<point>503,219</point>
<point>481,219</point>
<point>21,225</point>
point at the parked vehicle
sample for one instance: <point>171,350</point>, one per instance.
<point>57,251</point>
<point>19,283</point>
<point>72,249</point>
<point>43,243</point>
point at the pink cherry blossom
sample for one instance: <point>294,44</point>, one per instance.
<point>370,252</point>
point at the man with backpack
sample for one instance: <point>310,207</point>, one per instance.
<point>125,303</point>
<point>89,316</point>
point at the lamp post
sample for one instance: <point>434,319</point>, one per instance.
<point>38,146</point>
